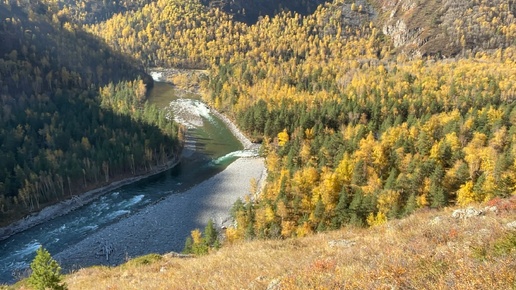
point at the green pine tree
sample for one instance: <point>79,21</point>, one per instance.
<point>411,205</point>
<point>188,249</point>
<point>210,234</point>
<point>319,211</point>
<point>197,245</point>
<point>342,210</point>
<point>46,272</point>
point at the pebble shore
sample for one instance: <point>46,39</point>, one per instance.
<point>164,226</point>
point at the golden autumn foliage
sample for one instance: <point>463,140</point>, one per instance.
<point>283,137</point>
<point>357,129</point>
<point>436,146</point>
<point>352,127</point>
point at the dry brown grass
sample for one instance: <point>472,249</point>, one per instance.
<point>429,250</point>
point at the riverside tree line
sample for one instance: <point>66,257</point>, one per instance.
<point>73,114</point>
<point>355,130</point>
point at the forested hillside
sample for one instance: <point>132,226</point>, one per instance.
<point>368,110</point>
<point>73,115</point>
<point>250,11</point>
<point>91,11</point>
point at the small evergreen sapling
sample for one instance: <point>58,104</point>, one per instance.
<point>46,272</point>
<point>199,243</point>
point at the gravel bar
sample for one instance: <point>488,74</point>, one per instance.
<point>164,226</point>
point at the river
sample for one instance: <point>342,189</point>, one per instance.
<point>210,148</point>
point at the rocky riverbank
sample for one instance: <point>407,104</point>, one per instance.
<point>163,227</point>
<point>234,129</point>
<point>66,206</point>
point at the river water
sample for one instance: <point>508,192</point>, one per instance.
<point>210,148</point>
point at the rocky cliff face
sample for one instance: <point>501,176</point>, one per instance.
<point>358,13</point>
<point>447,27</point>
<point>396,25</point>
<point>403,23</point>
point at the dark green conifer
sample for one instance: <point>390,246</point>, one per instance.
<point>46,272</point>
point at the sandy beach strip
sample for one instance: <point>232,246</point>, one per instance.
<point>164,226</point>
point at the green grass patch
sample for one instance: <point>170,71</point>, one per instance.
<point>145,260</point>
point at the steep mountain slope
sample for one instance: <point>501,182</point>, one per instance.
<point>368,111</point>
<point>357,126</point>
<point>57,136</point>
<point>448,28</point>
<point>250,11</point>
<point>91,11</point>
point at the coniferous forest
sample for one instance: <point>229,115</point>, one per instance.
<point>367,110</point>
<point>73,113</point>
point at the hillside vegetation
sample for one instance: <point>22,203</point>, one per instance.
<point>368,111</point>
<point>428,250</point>
<point>73,115</point>
<point>354,130</point>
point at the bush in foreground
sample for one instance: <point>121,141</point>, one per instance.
<point>46,272</point>
<point>200,244</point>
